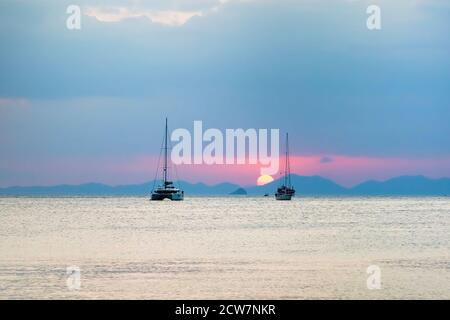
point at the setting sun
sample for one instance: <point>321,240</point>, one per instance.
<point>264,179</point>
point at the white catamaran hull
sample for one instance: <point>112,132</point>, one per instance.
<point>173,197</point>
<point>177,197</point>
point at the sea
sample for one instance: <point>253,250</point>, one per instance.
<point>225,248</point>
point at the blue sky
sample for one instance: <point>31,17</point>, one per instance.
<point>308,67</point>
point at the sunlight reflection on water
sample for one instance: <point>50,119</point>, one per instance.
<point>225,247</point>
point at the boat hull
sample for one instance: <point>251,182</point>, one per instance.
<point>170,196</point>
<point>283,196</point>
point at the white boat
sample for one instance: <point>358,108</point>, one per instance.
<point>167,189</point>
<point>286,191</point>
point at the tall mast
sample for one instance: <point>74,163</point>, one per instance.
<point>286,161</point>
<point>165,156</point>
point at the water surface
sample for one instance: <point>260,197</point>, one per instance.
<point>224,248</point>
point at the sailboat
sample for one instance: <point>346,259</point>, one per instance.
<point>286,191</point>
<point>167,190</point>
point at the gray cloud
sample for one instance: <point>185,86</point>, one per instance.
<point>326,160</point>
<point>341,88</point>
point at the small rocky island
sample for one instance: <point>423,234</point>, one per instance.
<point>239,192</point>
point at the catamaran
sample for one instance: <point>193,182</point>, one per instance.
<point>167,189</point>
<point>286,191</point>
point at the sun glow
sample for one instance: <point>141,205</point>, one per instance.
<point>264,179</point>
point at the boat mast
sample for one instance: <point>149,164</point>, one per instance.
<point>286,162</point>
<point>165,156</point>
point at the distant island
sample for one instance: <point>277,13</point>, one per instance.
<point>305,186</point>
<point>239,191</point>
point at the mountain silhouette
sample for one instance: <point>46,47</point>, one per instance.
<point>406,185</point>
<point>304,186</point>
<point>98,189</point>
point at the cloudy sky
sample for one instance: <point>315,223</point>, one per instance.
<point>88,105</point>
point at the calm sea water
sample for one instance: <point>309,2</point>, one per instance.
<point>229,248</point>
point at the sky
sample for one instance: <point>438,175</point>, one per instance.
<point>89,105</point>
